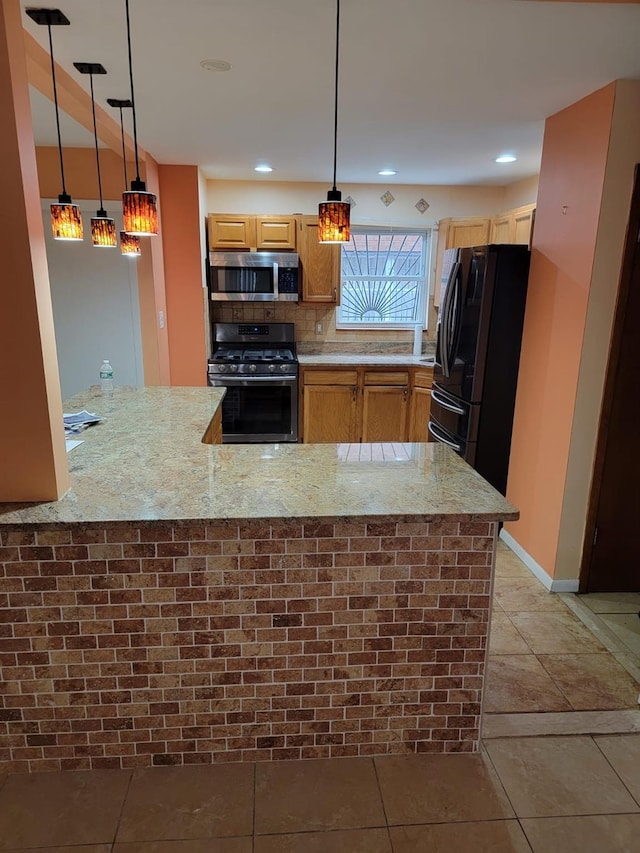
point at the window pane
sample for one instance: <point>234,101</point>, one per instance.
<point>383,277</point>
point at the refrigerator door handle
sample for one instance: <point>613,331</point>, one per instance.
<point>446,319</point>
<point>442,439</point>
<point>450,407</point>
<point>455,311</point>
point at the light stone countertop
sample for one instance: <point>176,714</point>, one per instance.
<point>364,359</point>
<point>146,462</point>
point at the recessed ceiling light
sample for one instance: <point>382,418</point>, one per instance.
<point>263,167</point>
<point>215,65</point>
<point>506,158</point>
<point>385,172</point>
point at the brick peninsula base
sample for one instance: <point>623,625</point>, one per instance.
<point>132,644</point>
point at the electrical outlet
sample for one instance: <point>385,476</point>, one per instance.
<point>161,319</point>
<point>318,328</point>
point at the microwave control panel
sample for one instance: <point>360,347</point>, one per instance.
<point>287,280</point>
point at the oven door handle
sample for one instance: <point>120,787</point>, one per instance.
<point>230,382</point>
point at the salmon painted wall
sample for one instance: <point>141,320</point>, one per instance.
<point>574,159</point>
<point>80,173</point>
<point>183,253</point>
<point>33,461</point>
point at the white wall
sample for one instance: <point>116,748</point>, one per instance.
<point>95,306</point>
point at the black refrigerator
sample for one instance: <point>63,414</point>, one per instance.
<point>478,353</point>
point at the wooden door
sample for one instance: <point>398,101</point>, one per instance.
<point>319,263</point>
<point>610,559</point>
<point>275,232</point>
<point>384,413</point>
<point>330,413</point>
<point>502,229</point>
<point>231,231</point>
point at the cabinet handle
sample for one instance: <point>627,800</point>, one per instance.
<point>405,393</point>
<point>335,294</point>
<point>355,392</point>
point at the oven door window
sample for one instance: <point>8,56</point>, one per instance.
<point>235,280</point>
<point>259,409</point>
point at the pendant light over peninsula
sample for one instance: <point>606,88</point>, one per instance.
<point>66,220</point>
<point>334,214</point>
<point>139,207</point>
<point>129,243</point>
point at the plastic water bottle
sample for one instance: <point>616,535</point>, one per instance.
<point>106,377</point>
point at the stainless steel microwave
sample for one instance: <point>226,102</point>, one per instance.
<point>253,276</point>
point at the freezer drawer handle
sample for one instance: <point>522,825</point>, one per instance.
<point>451,407</point>
<point>441,438</point>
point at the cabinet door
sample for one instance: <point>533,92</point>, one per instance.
<point>384,413</point>
<point>523,220</point>
<point>275,232</point>
<point>502,229</point>
<point>231,231</point>
<point>468,232</point>
<point>420,410</point>
<point>329,413</point>
<point>319,262</point>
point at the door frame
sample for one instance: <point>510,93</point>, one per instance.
<point>632,240</point>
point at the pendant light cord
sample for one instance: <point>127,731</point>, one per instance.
<point>124,152</point>
<point>55,99</point>
<point>335,116</point>
<point>95,136</point>
<point>133,100</point>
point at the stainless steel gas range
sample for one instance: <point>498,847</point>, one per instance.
<point>257,364</point>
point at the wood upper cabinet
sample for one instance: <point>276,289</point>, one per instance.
<point>330,406</point>
<point>458,234</point>
<point>243,231</point>
<point>514,226</point>
<point>319,263</point>
<point>370,405</point>
<point>420,405</point>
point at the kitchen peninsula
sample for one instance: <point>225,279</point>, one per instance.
<point>188,603</point>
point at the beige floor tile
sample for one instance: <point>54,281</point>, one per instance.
<point>188,802</point>
<point>496,836</point>
<point>557,776</point>
<point>626,626</point>
<point>210,845</point>
<point>80,807</point>
<point>510,566</point>
<point>342,841</point>
<point>591,834</point>
<point>520,683</point>
<point>440,788</point>
<point>592,682</point>
<point>612,602</point>
<point>294,796</point>
<point>623,752</point>
<point>525,594</point>
<point>504,638</point>
<point>551,633</point>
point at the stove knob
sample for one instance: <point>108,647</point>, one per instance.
<point>272,368</point>
<point>252,368</point>
<point>222,368</point>
<point>233,368</point>
<point>283,368</point>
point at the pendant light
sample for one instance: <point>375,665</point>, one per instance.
<point>129,243</point>
<point>66,220</point>
<point>334,214</point>
<point>103,228</point>
<point>139,207</point>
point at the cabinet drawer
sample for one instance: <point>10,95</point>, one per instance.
<point>386,377</point>
<point>423,378</point>
<point>330,377</point>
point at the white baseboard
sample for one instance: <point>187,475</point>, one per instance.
<point>536,569</point>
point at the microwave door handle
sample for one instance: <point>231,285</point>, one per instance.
<point>276,292</point>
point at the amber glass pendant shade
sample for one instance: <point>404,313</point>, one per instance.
<point>334,217</point>
<point>66,221</point>
<point>139,211</point>
<point>129,245</point>
<point>103,230</point>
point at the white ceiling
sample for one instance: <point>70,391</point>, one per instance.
<point>433,88</point>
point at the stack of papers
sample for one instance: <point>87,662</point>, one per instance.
<point>77,421</point>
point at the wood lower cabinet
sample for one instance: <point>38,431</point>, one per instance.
<point>213,433</point>
<point>228,231</point>
<point>420,405</point>
<point>347,405</point>
<point>385,406</point>
<point>319,263</point>
<point>330,406</point>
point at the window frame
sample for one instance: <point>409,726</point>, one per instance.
<point>423,305</point>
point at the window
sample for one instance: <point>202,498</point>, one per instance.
<point>384,278</point>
